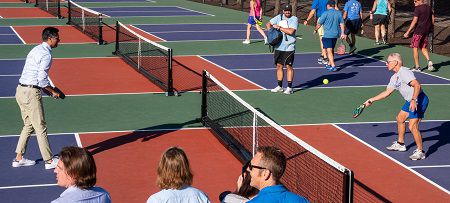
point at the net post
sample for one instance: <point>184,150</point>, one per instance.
<point>170,90</point>
<point>59,10</point>
<point>100,29</point>
<point>116,52</point>
<point>69,12</point>
<point>348,186</point>
<point>254,134</point>
<point>204,92</point>
<point>36,3</point>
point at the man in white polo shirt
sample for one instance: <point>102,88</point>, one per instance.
<point>28,96</point>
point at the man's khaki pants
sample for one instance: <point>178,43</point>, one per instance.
<point>32,111</point>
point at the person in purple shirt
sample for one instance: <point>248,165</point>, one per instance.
<point>423,22</point>
<point>266,169</point>
<point>76,171</point>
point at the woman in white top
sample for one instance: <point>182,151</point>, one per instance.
<point>174,177</point>
<point>244,191</point>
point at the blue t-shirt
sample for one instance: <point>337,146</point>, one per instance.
<point>277,194</point>
<point>330,21</point>
<point>292,22</point>
<point>320,6</point>
<point>353,8</point>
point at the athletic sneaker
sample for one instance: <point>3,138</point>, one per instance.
<point>377,43</point>
<point>416,69</point>
<point>277,89</point>
<point>325,61</point>
<point>352,50</point>
<point>265,41</point>
<point>417,155</point>
<point>51,165</point>
<point>288,90</point>
<point>320,60</point>
<point>396,147</point>
<point>23,162</point>
<point>246,42</point>
<point>331,68</point>
<point>430,66</point>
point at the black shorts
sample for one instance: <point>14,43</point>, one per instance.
<point>284,57</point>
<point>379,19</point>
<point>352,26</point>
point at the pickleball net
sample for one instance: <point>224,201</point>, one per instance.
<point>242,128</point>
<point>151,59</point>
<point>50,6</point>
<point>86,20</point>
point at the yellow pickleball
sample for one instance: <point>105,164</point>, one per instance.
<point>325,81</point>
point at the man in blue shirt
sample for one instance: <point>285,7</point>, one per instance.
<point>353,21</point>
<point>266,169</point>
<point>28,96</point>
<point>284,51</point>
<point>318,7</point>
<point>331,20</point>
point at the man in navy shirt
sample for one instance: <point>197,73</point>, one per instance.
<point>266,169</point>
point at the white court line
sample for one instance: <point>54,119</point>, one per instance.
<point>163,40</point>
<point>232,72</point>
<point>432,166</point>
<point>302,68</point>
<point>201,31</point>
<point>392,159</point>
<point>195,11</point>
<point>7,34</point>
<point>178,11</point>
<point>194,24</point>
<point>77,138</point>
<point>23,41</point>
<point>27,186</point>
<point>9,75</point>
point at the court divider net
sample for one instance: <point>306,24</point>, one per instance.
<point>242,128</point>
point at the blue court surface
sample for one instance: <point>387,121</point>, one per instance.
<point>435,143</point>
<point>147,11</point>
<point>187,32</point>
<point>37,183</point>
<point>354,70</point>
<point>8,36</point>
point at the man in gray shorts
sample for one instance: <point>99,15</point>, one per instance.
<point>414,107</point>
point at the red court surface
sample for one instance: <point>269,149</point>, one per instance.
<point>98,76</point>
<point>389,179</point>
<point>77,76</point>
<point>127,161</point>
<point>68,34</point>
<point>24,13</point>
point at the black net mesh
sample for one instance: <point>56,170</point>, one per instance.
<point>50,6</point>
<point>86,20</point>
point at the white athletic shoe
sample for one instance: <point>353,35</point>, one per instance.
<point>23,162</point>
<point>417,155</point>
<point>396,147</point>
<point>246,42</point>
<point>288,90</point>
<point>277,89</point>
<point>430,66</point>
<point>53,164</point>
<point>265,41</point>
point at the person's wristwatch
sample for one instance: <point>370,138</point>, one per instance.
<point>414,100</point>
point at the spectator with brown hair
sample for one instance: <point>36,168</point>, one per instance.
<point>266,169</point>
<point>244,191</point>
<point>76,171</point>
<point>174,177</point>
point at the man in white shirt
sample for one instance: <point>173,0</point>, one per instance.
<point>416,103</point>
<point>28,96</point>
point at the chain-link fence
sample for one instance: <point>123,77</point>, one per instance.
<point>403,17</point>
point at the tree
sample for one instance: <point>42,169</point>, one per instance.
<point>294,7</point>
<point>391,26</point>
<point>277,7</point>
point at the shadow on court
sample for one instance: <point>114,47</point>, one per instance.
<point>375,50</point>
<point>319,80</point>
<point>143,134</point>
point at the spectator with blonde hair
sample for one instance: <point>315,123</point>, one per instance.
<point>174,178</point>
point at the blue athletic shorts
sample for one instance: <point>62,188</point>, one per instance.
<point>329,42</point>
<point>251,21</point>
<point>422,104</point>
